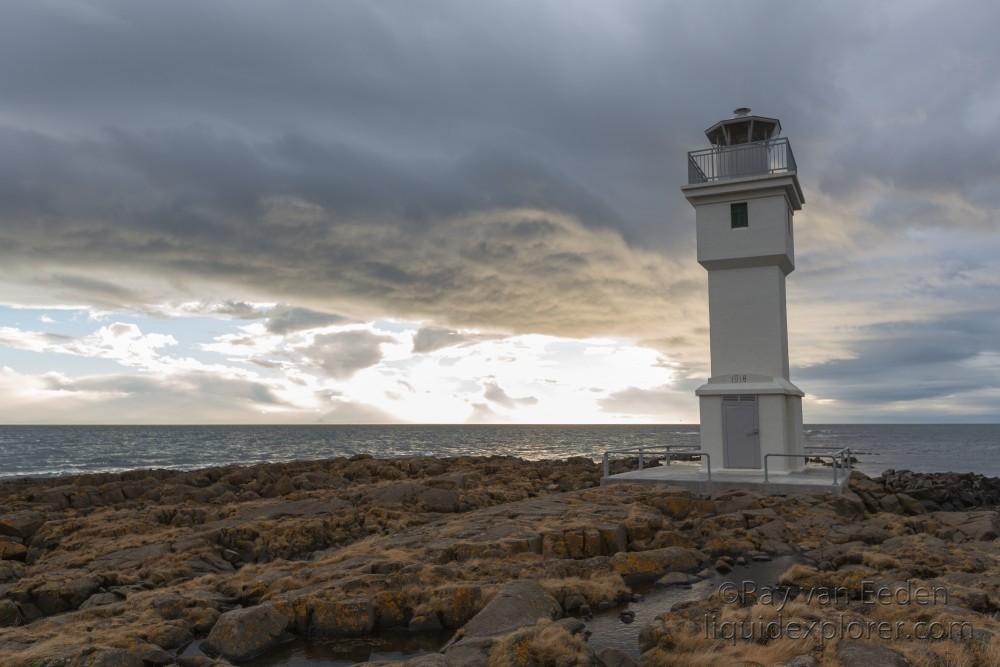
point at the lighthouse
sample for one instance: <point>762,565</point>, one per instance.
<point>745,191</point>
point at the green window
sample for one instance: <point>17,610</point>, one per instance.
<point>738,215</point>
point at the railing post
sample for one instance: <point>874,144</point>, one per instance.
<point>765,467</point>
<point>708,460</point>
<point>607,468</point>
<point>642,458</point>
<point>834,470</point>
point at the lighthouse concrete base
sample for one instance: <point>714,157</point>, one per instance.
<point>812,479</point>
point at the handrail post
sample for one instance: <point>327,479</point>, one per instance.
<point>834,470</point>
<point>708,460</point>
<point>606,466</point>
<point>765,467</point>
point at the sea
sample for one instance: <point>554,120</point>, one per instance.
<point>36,451</point>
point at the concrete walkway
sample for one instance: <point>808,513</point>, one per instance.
<point>814,479</point>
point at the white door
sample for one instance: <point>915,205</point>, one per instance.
<point>740,431</point>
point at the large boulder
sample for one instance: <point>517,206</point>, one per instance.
<point>21,524</point>
<point>241,634</point>
<point>637,566</point>
<point>517,605</point>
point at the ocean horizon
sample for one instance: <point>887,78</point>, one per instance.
<point>41,451</point>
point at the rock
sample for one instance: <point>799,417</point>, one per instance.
<point>978,526</point>
<point>910,504</point>
<point>637,566</point>
<point>673,579</point>
<point>425,623</point>
<point>341,617</point>
<point>10,571</point>
<point>21,524</point>
<point>612,657</point>
<point>574,626</point>
<point>890,503</point>
<point>425,543</point>
<point>154,656</point>
<point>518,604</point>
<point>626,616</point>
<point>429,660</point>
<point>722,566</point>
<point>802,661</point>
<point>409,493</point>
<point>169,635</point>
<point>10,614</point>
<point>12,551</point>
<point>857,654</point>
<point>241,634</point>
<point>284,486</point>
<point>100,600</point>
<point>928,658</point>
<point>114,657</point>
<point>848,505</point>
<point>978,601</point>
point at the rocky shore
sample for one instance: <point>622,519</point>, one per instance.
<point>509,557</point>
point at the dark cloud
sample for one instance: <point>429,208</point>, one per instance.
<point>238,309</point>
<point>429,339</point>
<point>909,361</point>
<point>342,354</point>
<point>495,393</point>
<point>286,319</point>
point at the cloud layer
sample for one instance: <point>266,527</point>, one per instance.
<point>486,172</point>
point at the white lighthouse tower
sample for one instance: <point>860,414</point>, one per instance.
<point>745,191</point>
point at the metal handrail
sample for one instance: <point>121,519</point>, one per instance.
<point>719,163</point>
<point>837,457</point>
<point>668,455</point>
<point>844,451</point>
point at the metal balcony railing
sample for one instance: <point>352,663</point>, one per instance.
<point>721,163</point>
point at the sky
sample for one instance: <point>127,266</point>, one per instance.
<point>449,212</point>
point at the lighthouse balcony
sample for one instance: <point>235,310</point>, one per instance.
<point>756,158</point>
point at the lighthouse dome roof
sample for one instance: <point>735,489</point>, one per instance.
<point>742,128</point>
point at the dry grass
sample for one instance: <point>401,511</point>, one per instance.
<point>543,645</point>
<point>698,646</point>
<point>880,561</point>
<point>598,588</point>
